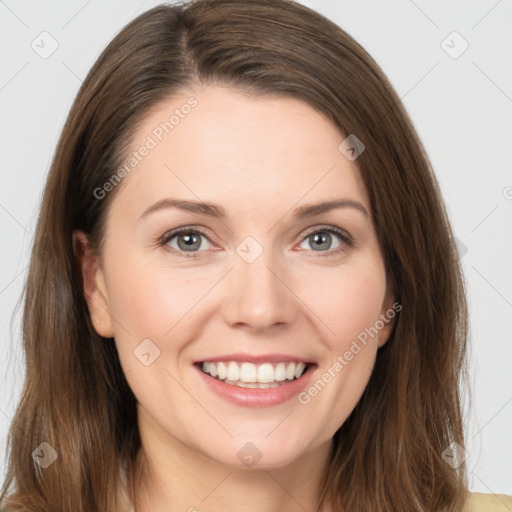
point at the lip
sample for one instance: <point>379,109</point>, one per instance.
<point>254,397</point>
<point>257,359</point>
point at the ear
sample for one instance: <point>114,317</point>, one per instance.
<point>95,289</point>
<point>390,309</point>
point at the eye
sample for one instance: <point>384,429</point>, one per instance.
<point>321,239</point>
<point>186,240</point>
<point>195,240</point>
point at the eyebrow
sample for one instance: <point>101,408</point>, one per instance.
<point>216,211</point>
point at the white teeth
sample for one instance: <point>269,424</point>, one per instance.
<point>252,385</point>
<point>248,373</point>
<point>221,370</point>
<point>265,373</point>
<point>253,376</point>
<point>233,371</point>
<point>280,372</point>
<point>299,369</point>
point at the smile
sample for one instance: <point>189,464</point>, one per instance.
<point>255,385</point>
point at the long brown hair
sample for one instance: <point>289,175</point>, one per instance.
<point>388,455</point>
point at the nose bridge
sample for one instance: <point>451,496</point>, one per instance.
<point>257,295</point>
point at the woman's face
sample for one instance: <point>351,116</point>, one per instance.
<point>257,279</point>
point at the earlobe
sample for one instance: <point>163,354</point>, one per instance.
<point>94,286</point>
<point>387,317</point>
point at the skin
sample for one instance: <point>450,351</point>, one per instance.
<point>259,158</point>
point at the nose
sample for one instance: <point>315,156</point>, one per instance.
<point>259,295</point>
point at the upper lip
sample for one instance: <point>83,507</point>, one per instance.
<point>256,359</point>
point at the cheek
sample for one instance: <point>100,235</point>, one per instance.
<point>148,299</point>
<point>149,302</point>
<point>350,309</point>
<point>346,300</point>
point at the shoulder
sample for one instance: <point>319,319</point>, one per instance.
<point>481,502</point>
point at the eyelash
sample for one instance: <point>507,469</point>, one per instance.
<point>346,239</point>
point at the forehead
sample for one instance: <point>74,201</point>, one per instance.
<point>223,145</point>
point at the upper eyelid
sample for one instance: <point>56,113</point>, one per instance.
<point>329,228</point>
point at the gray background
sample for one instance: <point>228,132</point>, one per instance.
<point>460,103</point>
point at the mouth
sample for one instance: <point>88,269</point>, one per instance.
<point>255,376</point>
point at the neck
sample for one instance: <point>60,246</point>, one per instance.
<point>173,475</point>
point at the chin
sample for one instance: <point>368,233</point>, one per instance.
<point>255,453</point>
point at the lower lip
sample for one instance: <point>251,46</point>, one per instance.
<point>255,397</point>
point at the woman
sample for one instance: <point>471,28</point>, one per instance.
<point>244,291</point>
